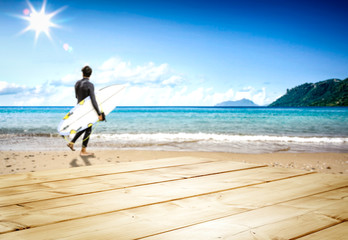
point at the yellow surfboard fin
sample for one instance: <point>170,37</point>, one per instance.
<point>67,115</point>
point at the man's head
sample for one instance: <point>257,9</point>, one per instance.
<point>86,71</point>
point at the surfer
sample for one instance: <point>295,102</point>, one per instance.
<point>83,89</point>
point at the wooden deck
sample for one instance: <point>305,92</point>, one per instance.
<point>177,198</point>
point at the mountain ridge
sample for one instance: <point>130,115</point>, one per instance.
<point>239,103</point>
<point>331,92</point>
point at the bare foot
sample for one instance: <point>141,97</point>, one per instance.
<point>85,154</point>
<point>71,146</point>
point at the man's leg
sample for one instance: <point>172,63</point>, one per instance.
<point>85,141</point>
<point>77,135</point>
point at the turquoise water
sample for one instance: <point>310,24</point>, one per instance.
<point>188,128</point>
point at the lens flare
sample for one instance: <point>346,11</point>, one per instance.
<point>39,21</point>
<point>67,47</point>
<point>26,11</point>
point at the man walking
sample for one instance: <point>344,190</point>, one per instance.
<point>83,89</point>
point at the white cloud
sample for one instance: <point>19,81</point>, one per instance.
<point>173,80</point>
<point>181,96</point>
<point>260,97</point>
<point>70,79</point>
<point>114,70</point>
<point>11,88</point>
<point>138,95</point>
<point>62,97</point>
<point>46,94</point>
<point>218,97</point>
<point>32,101</point>
<point>67,80</point>
<point>148,85</point>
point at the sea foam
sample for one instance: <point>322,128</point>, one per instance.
<point>196,137</point>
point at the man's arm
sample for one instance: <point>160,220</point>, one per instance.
<point>76,84</point>
<point>94,101</point>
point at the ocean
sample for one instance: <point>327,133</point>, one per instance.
<point>218,129</point>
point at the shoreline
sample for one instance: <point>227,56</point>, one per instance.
<point>197,142</point>
<point>31,161</point>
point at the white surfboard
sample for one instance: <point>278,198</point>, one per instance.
<point>83,115</point>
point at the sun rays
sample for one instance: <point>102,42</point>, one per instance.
<point>39,21</point>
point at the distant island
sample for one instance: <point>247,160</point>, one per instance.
<point>332,92</point>
<point>240,103</point>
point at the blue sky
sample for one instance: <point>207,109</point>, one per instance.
<point>172,52</point>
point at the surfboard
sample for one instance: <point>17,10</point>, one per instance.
<point>83,115</point>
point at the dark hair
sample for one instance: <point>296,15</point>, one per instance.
<point>87,71</point>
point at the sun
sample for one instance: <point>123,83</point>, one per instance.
<point>39,21</point>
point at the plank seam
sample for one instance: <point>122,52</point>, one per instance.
<point>106,174</point>
<point>318,230</point>
<point>229,215</point>
<point>137,185</point>
<point>166,201</point>
<point>338,221</point>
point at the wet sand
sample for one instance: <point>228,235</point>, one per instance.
<point>32,161</point>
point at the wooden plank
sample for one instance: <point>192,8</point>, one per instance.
<point>287,229</point>
<point>338,232</point>
<point>50,211</point>
<point>12,180</point>
<point>230,228</point>
<point>320,215</point>
<point>92,184</point>
<point>153,219</point>
<point>319,202</point>
<point>127,224</point>
<point>281,221</point>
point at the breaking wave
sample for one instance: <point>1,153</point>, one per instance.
<point>216,138</point>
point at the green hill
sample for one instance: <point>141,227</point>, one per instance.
<point>332,92</point>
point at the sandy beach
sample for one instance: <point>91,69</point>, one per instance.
<point>31,161</point>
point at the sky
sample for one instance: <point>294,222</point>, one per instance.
<point>170,53</point>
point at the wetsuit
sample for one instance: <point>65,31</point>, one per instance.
<point>83,89</point>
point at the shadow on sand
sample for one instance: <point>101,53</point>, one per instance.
<point>75,162</point>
